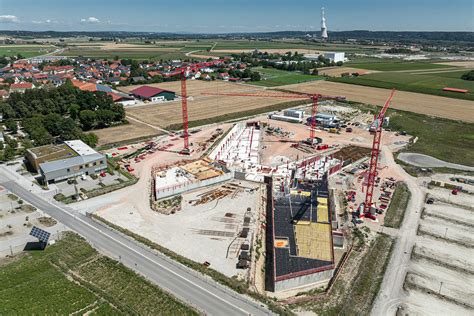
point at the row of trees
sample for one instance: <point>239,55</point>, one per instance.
<point>293,62</point>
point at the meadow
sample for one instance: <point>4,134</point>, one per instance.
<point>25,50</point>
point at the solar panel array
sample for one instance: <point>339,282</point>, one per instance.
<point>39,233</point>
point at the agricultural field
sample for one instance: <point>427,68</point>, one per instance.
<point>175,49</point>
<point>25,50</point>
<point>384,65</point>
<point>438,106</point>
<point>125,133</point>
<point>274,77</point>
<point>203,108</point>
<point>338,71</point>
<point>429,82</point>
<point>71,277</point>
<point>166,50</point>
<point>235,46</point>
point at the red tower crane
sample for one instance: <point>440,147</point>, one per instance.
<point>376,128</point>
<point>314,99</point>
<point>182,72</point>
<point>184,108</point>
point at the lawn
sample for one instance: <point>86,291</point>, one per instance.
<point>274,77</point>
<point>444,139</point>
<point>71,277</point>
<point>26,51</point>
<point>396,65</point>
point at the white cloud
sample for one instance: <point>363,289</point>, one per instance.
<point>9,19</point>
<point>47,21</point>
<point>91,20</point>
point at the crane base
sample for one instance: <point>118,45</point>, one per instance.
<point>185,151</point>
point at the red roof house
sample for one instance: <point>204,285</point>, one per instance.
<point>153,94</point>
<point>20,87</point>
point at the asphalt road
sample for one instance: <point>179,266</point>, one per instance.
<point>426,161</point>
<point>193,288</point>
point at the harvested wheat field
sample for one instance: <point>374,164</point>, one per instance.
<point>449,108</point>
<point>194,88</point>
<point>201,106</point>
<point>124,133</point>
<point>465,64</point>
<point>338,71</point>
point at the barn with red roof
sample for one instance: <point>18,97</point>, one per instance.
<point>153,94</point>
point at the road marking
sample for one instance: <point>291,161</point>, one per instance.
<point>39,200</point>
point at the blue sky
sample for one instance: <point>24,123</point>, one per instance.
<point>217,16</point>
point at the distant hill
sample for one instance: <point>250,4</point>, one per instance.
<point>467,37</point>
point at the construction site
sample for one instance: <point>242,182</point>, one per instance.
<point>271,199</point>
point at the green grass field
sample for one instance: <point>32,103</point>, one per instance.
<point>25,50</point>
<point>274,77</point>
<point>71,277</point>
<point>396,210</point>
<point>428,83</point>
<point>444,139</point>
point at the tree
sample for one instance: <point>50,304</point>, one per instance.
<point>105,117</point>
<point>255,76</point>
<point>468,76</point>
<point>8,153</point>
<point>88,119</point>
<point>74,110</point>
<point>11,125</point>
<point>90,139</point>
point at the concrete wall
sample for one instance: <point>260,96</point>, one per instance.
<point>161,193</point>
<point>338,240</point>
<point>320,277</point>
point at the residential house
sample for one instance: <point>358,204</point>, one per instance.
<point>20,87</point>
<point>147,93</point>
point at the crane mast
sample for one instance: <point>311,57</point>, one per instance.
<point>376,127</point>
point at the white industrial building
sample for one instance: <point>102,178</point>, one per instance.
<point>332,56</point>
<point>335,56</point>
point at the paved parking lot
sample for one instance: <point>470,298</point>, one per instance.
<point>88,184</point>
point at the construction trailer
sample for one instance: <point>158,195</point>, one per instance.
<point>324,120</point>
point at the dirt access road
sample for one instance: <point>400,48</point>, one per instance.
<point>391,292</point>
<point>453,109</point>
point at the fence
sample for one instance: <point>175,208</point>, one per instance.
<point>171,190</point>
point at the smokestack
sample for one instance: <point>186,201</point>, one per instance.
<point>324,30</point>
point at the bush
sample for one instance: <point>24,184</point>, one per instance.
<point>468,76</point>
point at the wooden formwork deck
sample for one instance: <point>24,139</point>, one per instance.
<point>313,240</point>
